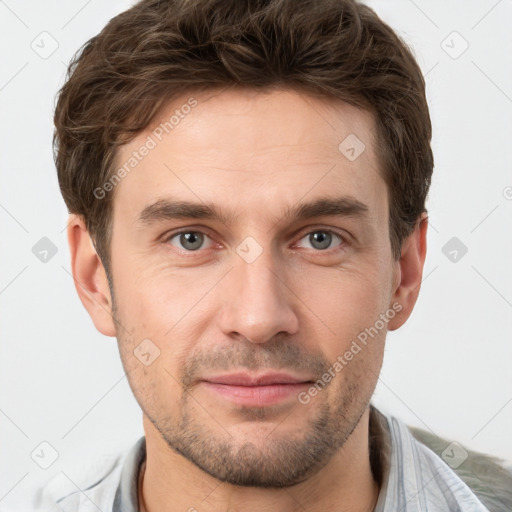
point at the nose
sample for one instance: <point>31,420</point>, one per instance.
<point>258,301</point>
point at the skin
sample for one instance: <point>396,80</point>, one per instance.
<point>295,308</point>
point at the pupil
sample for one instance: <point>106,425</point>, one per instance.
<point>320,239</point>
<point>191,240</point>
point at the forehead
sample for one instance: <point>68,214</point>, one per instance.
<point>252,151</point>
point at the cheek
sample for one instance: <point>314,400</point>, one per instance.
<point>156,387</point>
<point>157,300</point>
<point>161,320</point>
<point>343,303</point>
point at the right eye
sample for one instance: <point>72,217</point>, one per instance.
<point>188,240</point>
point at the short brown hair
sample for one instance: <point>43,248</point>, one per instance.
<point>120,79</point>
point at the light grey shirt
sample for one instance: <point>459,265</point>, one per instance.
<point>415,479</point>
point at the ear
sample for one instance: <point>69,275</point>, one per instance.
<point>90,277</point>
<point>409,272</point>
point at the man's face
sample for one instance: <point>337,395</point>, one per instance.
<point>259,290</point>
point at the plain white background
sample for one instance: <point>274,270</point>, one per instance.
<point>446,370</point>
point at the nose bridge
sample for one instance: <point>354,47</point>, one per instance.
<point>258,304</point>
<point>260,278</point>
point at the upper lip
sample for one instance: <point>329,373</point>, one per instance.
<point>247,379</point>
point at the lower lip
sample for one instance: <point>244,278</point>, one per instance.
<point>257,395</point>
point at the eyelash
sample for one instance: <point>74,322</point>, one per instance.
<point>340,247</point>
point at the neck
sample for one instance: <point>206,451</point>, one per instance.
<point>171,482</point>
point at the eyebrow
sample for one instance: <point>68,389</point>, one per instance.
<point>167,209</point>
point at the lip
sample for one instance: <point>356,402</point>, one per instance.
<point>256,390</point>
<point>247,379</point>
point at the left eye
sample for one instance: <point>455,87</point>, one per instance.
<point>321,239</point>
<point>188,240</point>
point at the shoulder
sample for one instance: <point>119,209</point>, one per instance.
<point>78,488</point>
<point>488,477</point>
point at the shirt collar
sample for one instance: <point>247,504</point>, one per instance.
<point>127,494</point>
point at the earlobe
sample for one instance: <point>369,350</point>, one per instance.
<point>89,276</point>
<point>409,272</point>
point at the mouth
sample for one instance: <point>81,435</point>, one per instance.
<point>256,390</point>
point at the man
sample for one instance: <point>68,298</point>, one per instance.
<point>247,186</point>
